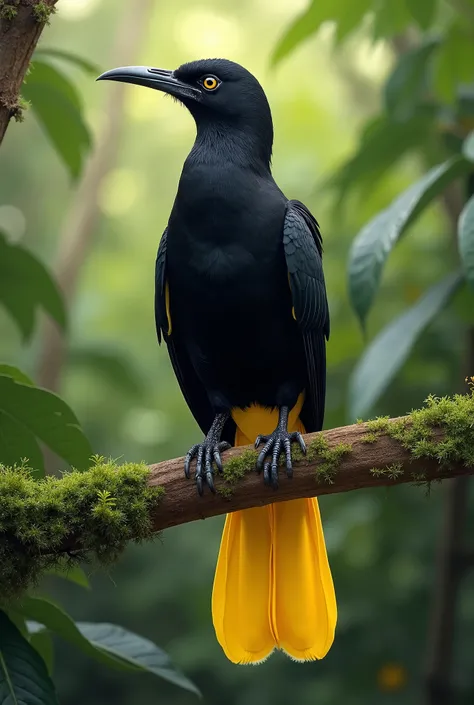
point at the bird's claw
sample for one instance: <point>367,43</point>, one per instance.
<point>206,453</point>
<point>279,441</point>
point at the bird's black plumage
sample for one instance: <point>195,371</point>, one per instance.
<point>247,298</point>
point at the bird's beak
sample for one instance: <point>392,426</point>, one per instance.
<point>161,79</point>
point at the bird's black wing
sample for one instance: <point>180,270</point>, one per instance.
<point>191,386</point>
<point>302,243</point>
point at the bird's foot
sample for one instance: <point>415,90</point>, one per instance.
<point>277,443</point>
<point>207,454</point>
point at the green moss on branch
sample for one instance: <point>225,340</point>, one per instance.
<point>106,507</point>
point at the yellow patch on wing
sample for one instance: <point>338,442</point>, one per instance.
<point>167,304</point>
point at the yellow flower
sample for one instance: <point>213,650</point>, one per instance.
<point>391,677</point>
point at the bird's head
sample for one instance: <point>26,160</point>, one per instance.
<point>220,94</point>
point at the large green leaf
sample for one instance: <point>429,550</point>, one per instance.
<point>382,143</point>
<point>454,64</point>
<point>42,643</point>
<point>17,443</point>
<point>390,348</point>
<point>422,11</point>
<point>110,364</point>
<point>376,240</point>
<point>108,643</point>
<point>73,573</point>
<point>136,651</point>
<point>48,417</point>
<point>25,284</point>
<point>466,240</point>
<point>79,61</point>
<point>57,105</point>
<point>16,374</point>
<point>24,679</point>
<point>407,85</point>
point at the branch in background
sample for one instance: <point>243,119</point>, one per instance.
<point>21,24</point>
<point>80,224</point>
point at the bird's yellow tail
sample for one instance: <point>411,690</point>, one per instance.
<point>273,586</point>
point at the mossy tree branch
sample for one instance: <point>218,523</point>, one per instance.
<point>21,24</point>
<point>342,459</point>
<point>97,512</point>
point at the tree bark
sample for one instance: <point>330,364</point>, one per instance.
<point>181,503</point>
<point>20,28</point>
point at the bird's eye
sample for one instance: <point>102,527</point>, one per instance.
<point>210,83</point>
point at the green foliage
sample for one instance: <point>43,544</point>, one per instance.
<point>8,12</point>
<point>346,15</point>
<point>422,11</point>
<point>388,351</point>
<point>70,571</point>
<point>42,12</point>
<point>28,413</point>
<point>373,244</point>
<point>26,284</point>
<point>42,642</point>
<point>110,365</point>
<point>383,143</point>
<point>408,85</point>
<point>109,644</point>
<point>84,64</point>
<point>37,518</point>
<point>453,415</point>
<point>454,63</point>
<point>466,240</point>
<point>128,650</point>
<point>23,676</point>
<point>330,457</point>
<point>57,106</point>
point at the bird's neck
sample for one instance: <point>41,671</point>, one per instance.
<point>216,142</point>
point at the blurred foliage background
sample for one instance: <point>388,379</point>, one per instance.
<point>101,235</point>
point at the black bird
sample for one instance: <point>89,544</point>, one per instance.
<point>241,303</point>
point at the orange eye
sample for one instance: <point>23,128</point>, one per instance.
<point>210,83</point>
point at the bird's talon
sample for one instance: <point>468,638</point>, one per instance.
<point>207,454</point>
<point>276,444</point>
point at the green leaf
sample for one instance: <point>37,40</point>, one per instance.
<point>17,443</point>
<point>42,643</point>
<point>48,417</point>
<point>24,679</point>
<point>422,11</point>
<point>376,240</point>
<point>136,651</point>
<point>346,15</point>
<point>16,374</point>
<point>407,85</point>
<point>108,643</point>
<point>466,240</point>
<point>382,143</point>
<point>390,17</point>
<point>454,63</point>
<point>79,61</point>
<point>25,284</point>
<point>111,365</point>
<point>388,351</point>
<point>300,29</point>
<point>73,573</point>
<point>468,147</point>
<point>57,106</point>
